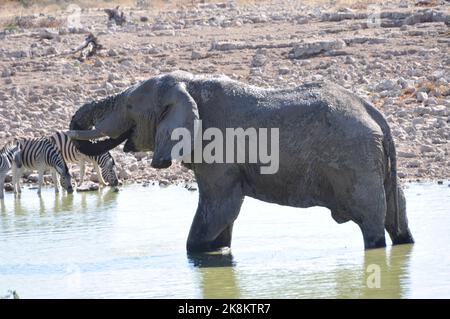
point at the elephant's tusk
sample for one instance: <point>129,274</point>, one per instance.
<point>85,135</point>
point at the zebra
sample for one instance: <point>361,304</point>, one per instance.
<point>9,159</point>
<point>104,164</point>
<point>40,154</point>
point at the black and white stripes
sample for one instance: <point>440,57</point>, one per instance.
<point>40,154</point>
<point>103,164</point>
<point>9,159</point>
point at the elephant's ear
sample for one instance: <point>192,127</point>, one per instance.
<point>178,113</point>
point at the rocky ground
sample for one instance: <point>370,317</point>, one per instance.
<point>395,54</point>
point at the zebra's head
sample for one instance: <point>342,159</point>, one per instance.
<point>60,166</point>
<point>66,179</point>
<point>108,169</point>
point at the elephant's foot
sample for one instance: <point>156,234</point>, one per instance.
<point>373,237</point>
<point>206,247</point>
<point>405,238</point>
<point>221,243</point>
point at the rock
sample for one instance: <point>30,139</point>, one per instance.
<point>18,54</point>
<point>49,34</point>
<point>124,174</point>
<point>349,60</point>
<point>86,187</point>
<point>406,154</point>
<point>133,167</point>
<point>413,164</point>
<point>9,187</point>
<point>282,70</point>
<point>143,19</point>
<point>163,182</point>
<point>195,55</point>
<point>401,174</point>
<point>421,96</point>
<point>99,63</point>
<point>308,49</point>
<point>426,148</point>
<point>7,72</point>
<point>33,178</point>
<point>387,85</point>
<point>259,60</point>
<point>109,86</point>
<point>94,177</point>
<point>112,52</point>
<point>51,50</point>
<point>439,110</point>
<point>227,46</point>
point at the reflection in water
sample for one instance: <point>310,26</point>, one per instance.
<point>132,244</point>
<point>217,275</point>
<point>394,272</point>
<point>383,274</point>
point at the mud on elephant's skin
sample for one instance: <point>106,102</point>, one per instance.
<point>335,150</point>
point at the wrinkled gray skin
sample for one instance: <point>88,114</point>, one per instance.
<point>336,150</point>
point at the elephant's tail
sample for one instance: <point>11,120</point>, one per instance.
<point>392,190</point>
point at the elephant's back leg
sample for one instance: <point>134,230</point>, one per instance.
<point>359,195</point>
<point>368,210</point>
<point>398,229</point>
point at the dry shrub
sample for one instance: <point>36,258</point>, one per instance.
<point>31,22</point>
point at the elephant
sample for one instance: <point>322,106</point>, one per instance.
<point>335,150</point>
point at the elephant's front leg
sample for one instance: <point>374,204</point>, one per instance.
<point>213,222</point>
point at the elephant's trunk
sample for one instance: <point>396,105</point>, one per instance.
<point>86,118</point>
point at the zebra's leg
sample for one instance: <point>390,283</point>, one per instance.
<point>2,184</point>
<point>17,175</point>
<point>40,180</point>
<point>101,181</point>
<point>55,181</point>
<point>82,169</point>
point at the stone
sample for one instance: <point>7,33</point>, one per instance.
<point>426,148</point>
<point>112,52</point>
<point>350,60</point>
<point>282,70</point>
<point>406,154</point>
<point>259,60</point>
<point>7,72</point>
<point>308,49</point>
<point>387,85</point>
<point>86,187</point>
<point>439,110</point>
<point>48,34</point>
<point>18,54</point>
<point>124,174</point>
<point>195,55</point>
<point>421,96</point>
<point>33,178</point>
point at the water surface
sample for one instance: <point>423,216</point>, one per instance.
<point>131,244</point>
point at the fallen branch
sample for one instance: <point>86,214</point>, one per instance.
<point>88,48</point>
